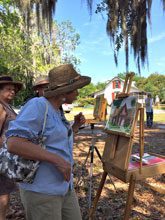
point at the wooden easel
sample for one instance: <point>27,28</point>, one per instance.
<point>99,115</point>
<point>116,157</point>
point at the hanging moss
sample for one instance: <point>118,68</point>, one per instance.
<point>126,23</point>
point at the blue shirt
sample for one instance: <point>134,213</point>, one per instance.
<point>149,104</point>
<point>58,140</point>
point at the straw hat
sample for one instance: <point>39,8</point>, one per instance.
<point>9,80</point>
<point>64,79</point>
<point>40,81</point>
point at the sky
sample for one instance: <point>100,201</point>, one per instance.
<point>95,51</point>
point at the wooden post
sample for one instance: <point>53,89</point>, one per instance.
<point>125,83</point>
<point>92,210</point>
<point>129,198</point>
<point>128,82</point>
<point>131,75</point>
<point>141,136</point>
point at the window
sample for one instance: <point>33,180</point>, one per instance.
<point>116,84</point>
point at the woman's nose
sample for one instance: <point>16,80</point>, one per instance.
<point>13,91</point>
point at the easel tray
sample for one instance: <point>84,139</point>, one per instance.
<point>147,170</point>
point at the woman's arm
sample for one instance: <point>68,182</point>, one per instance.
<point>2,121</point>
<point>28,150</point>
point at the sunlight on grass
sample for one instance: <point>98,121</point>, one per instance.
<point>88,112</point>
<point>159,118</point>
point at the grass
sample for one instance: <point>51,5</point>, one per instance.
<point>161,107</point>
<point>159,118</point>
<point>88,112</point>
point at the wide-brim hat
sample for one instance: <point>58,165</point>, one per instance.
<point>40,81</point>
<point>9,80</point>
<point>64,79</point>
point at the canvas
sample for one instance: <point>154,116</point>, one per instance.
<point>122,115</point>
<point>100,108</point>
<point>96,107</point>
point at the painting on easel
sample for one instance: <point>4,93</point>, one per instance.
<point>96,107</point>
<point>100,108</point>
<point>122,115</point>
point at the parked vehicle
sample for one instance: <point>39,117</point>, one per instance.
<point>67,107</point>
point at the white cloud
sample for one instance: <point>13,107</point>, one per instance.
<point>156,38</point>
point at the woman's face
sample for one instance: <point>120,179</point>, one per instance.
<point>7,93</point>
<point>71,96</point>
<point>40,89</point>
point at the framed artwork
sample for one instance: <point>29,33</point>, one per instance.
<point>122,115</point>
<point>100,108</point>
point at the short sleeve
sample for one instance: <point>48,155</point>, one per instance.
<point>28,124</point>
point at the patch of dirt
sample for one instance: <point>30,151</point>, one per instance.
<point>147,204</point>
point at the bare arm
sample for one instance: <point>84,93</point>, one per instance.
<point>2,120</point>
<point>28,150</point>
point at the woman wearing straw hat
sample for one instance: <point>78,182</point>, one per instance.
<point>8,90</point>
<point>40,84</point>
<point>51,195</point>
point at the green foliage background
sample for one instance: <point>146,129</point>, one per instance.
<point>26,53</point>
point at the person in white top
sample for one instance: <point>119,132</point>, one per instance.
<point>157,100</point>
<point>149,110</point>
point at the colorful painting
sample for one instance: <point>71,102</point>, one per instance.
<point>100,108</point>
<point>122,114</point>
<point>97,105</point>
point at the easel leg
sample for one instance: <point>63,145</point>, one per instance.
<point>98,153</point>
<point>129,198</point>
<point>91,175</point>
<point>92,210</point>
<point>87,156</point>
<point>79,177</point>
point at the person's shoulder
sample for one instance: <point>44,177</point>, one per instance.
<point>36,101</point>
<point>1,108</point>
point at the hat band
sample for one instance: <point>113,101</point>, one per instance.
<point>6,78</point>
<point>71,81</point>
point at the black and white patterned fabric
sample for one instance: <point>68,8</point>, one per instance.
<point>18,168</point>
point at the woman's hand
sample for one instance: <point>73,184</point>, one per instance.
<point>65,168</point>
<point>78,121</point>
<point>29,150</point>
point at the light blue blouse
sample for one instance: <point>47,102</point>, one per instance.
<point>28,124</point>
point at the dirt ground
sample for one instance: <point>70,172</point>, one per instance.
<point>148,202</point>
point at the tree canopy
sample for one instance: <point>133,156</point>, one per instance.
<point>126,23</point>
<point>26,54</point>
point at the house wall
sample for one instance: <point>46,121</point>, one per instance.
<point>110,90</point>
